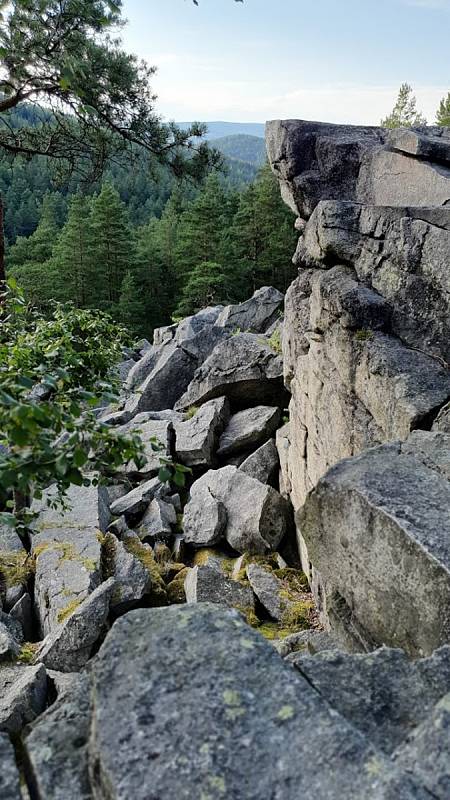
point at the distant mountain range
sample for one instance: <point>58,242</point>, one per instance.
<point>218,130</point>
<point>240,147</point>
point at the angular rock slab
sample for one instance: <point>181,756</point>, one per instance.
<point>377,528</point>
<point>248,727</point>
<point>427,753</point>
<point>384,694</point>
<point>255,315</point>
<point>197,438</point>
<point>243,368</point>
<point>23,695</point>
<point>263,464</point>
<point>248,428</point>
<point>9,774</point>
<point>67,551</point>
<point>205,517</point>
<point>256,515</point>
<point>208,585</point>
<point>69,647</point>
<point>56,746</point>
<point>159,432</point>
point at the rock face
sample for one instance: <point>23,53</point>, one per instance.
<point>365,345</point>
<point>380,521</point>
<point>255,717</point>
<point>23,696</point>
<point>318,161</point>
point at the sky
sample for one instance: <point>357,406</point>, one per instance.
<point>329,60</point>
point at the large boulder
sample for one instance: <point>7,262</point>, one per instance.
<point>255,315</point>
<point>23,695</point>
<point>263,464</point>
<point>157,437</point>
<point>384,694</point>
<point>9,773</point>
<point>197,436</point>
<point>256,515</point>
<point>377,527</point>
<point>249,727</point>
<point>69,647</point>
<point>248,428</point>
<point>56,746</point>
<point>205,517</point>
<point>245,369</point>
<point>317,161</point>
<point>208,584</point>
<point>67,552</point>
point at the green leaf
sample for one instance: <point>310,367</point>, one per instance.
<point>80,457</point>
<point>165,475</point>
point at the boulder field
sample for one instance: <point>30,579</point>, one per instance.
<point>278,626</point>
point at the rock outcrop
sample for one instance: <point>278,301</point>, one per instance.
<point>365,344</point>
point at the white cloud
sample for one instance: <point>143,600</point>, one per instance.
<point>242,100</point>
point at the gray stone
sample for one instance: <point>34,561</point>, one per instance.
<point>205,517</point>
<point>312,642</point>
<point>427,752</point>
<point>9,774</point>
<point>13,594</point>
<point>69,648</point>
<point>164,334</point>
<point>208,584</point>
<point>197,437</point>
<point>243,368</point>
<point>283,444</point>
<point>430,148</point>
<point>189,327</point>
<point>268,589</point>
<point>263,464</point>
<point>22,612</point>
<point>256,514</point>
<point>123,369</point>
<point>158,521</point>
<point>57,746</point>
<point>62,681</point>
<point>132,580</point>
<point>23,695</point>
<point>248,429</point>
<point>151,432</point>
<point>255,315</point>
<point>136,501</point>
<point>166,382</point>
<point>377,527</point>
<point>140,371</point>
<point>401,253</point>
<point>383,694</point>
<point>9,645</point>
<point>264,731</point>
<point>67,551</point>
<point>9,540</point>
<point>317,161</point>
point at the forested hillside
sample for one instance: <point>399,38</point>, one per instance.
<point>145,257</point>
<point>251,149</point>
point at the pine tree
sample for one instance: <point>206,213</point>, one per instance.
<point>208,285</point>
<point>404,114</point>
<point>132,311</point>
<point>443,112</point>
<point>73,255</point>
<point>37,248</point>
<point>113,249</point>
<point>263,236</point>
<point>202,226</point>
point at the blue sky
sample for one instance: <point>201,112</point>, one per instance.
<point>333,60</point>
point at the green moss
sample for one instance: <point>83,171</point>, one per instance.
<point>145,556</point>
<point>108,556</point>
<point>16,568</point>
<point>363,335</point>
<point>68,610</point>
<point>249,614</point>
<point>191,412</point>
<point>67,552</point>
<point>275,342</point>
<point>28,652</point>
<point>175,589</point>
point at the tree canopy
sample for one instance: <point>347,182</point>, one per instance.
<point>405,113</point>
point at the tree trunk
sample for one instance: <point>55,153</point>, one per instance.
<point>2,246</point>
